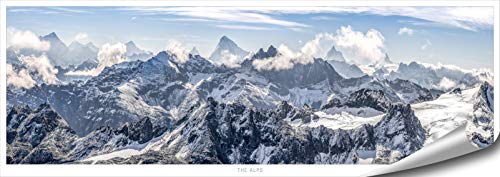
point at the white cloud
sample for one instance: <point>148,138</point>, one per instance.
<point>107,56</point>
<point>287,58</point>
<point>22,79</point>
<point>178,50</point>
<point>245,27</point>
<point>42,66</point>
<point>296,29</point>
<point>81,36</point>
<point>468,18</point>
<point>19,39</point>
<point>359,48</point>
<point>323,18</point>
<point>284,60</point>
<point>426,45</point>
<point>405,30</point>
<point>49,11</point>
<point>223,14</point>
<point>446,84</point>
<point>229,60</point>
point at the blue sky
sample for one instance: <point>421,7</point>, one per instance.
<point>458,36</point>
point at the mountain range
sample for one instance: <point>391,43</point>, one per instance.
<point>165,111</point>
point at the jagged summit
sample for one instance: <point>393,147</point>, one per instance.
<point>133,52</point>
<point>194,51</point>
<point>92,46</point>
<point>387,60</point>
<point>333,54</point>
<point>227,47</point>
<point>75,44</point>
<point>261,54</point>
<point>51,35</point>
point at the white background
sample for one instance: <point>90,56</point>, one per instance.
<point>482,163</point>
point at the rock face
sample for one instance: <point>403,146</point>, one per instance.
<point>233,134</point>
<point>42,136</point>
<point>400,132</point>
<point>335,55</point>
<point>37,136</point>
<point>198,112</point>
<point>480,125</point>
<point>411,92</point>
<point>214,133</point>
<point>375,99</point>
<point>345,69</point>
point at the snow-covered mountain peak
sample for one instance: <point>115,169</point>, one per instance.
<point>76,44</point>
<point>387,60</point>
<point>194,51</point>
<point>333,54</point>
<point>132,48</point>
<point>92,46</point>
<point>261,54</point>
<point>51,36</point>
<point>133,52</point>
<point>227,47</point>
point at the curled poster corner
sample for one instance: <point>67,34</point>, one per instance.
<point>452,145</point>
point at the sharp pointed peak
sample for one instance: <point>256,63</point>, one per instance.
<point>75,43</point>
<point>194,51</point>
<point>51,35</point>
<point>132,43</point>
<point>271,48</point>
<point>224,37</point>
<point>90,44</point>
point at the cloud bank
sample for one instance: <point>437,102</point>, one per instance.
<point>21,79</point>
<point>229,60</point>
<point>107,56</point>
<point>18,39</point>
<point>357,47</point>
<point>178,50</point>
<point>42,66</point>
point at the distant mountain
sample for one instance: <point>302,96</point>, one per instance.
<point>194,51</point>
<point>59,54</point>
<point>58,50</point>
<point>440,77</point>
<point>387,60</point>
<point>197,111</point>
<point>337,60</point>
<point>227,47</point>
<point>345,69</point>
<point>92,47</point>
<point>135,53</point>
<point>78,53</point>
<point>335,55</point>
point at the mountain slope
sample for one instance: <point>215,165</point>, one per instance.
<point>334,55</point>
<point>234,134</point>
<point>345,69</point>
<point>134,53</point>
<point>227,50</point>
<point>79,53</point>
